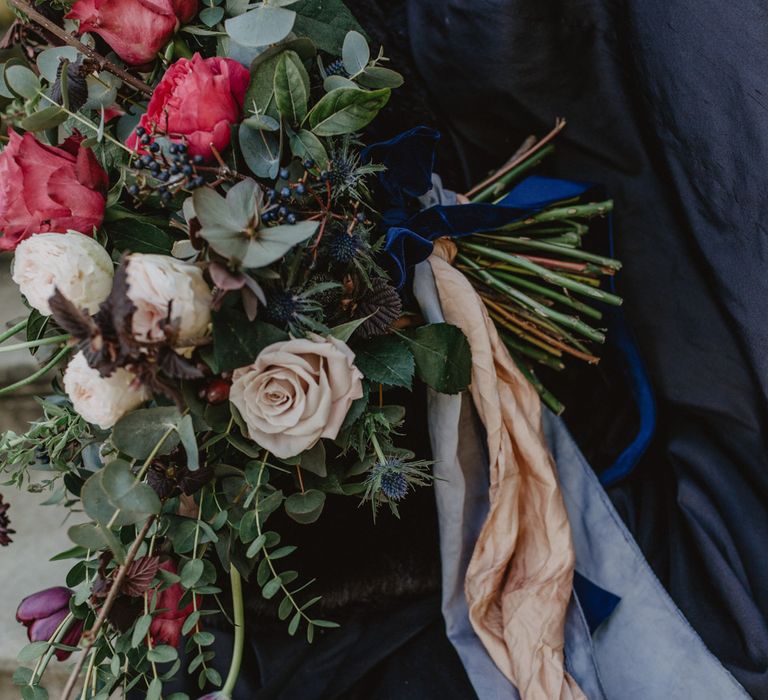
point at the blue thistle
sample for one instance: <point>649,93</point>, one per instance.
<point>336,68</point>
<point>343,248</point>
<point>394,485</point>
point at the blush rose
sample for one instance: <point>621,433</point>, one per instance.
<point>196,102</point>
<point>43,188</point>
<point>297,392</point>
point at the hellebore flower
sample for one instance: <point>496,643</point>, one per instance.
<point>42,613</point>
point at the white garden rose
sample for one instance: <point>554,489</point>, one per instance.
<point>296,392</point>
<point>76,264</point>
<point>102,400</point>
<point>157,281</point>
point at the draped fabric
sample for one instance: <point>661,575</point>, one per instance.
<point>519,580</point>
<point>667,107</point>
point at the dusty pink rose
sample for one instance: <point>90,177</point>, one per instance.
<point>196,102</point>
<point>135,29</point>
<point>296,392</point>
<point>43,188</point>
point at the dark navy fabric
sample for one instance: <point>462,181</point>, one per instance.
<point>596,603</point>
<point>667,106</point>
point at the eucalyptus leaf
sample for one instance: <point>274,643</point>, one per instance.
<point>48,60</point>
<point>305,508</point>
<point>355,53</point>
<point>87,535</point>
<point>261,26</point>
<point>326,22</point>
<point>262,122</point>
<point>186,433</point>
<point>313,460</point>
<point>22,81</point>
<point>112,495</point>
<point>191,572</point>
<point>261,150</point>
<point>346,110</point>
<point>138,433</point>
<point>102,90</point>
<point>46,118</point>
<point>334,82</point>
<point>211,16</point>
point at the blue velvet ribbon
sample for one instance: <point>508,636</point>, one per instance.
<point>597,604</point>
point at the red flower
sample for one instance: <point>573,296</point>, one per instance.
<point>43,188</point>
<point>166,624</point>
<point>135,29</point>
<point>42,613</point>
<point>196,102</point>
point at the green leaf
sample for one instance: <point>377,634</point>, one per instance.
<point>186,431</point>
<point>155,689</point>
<point>261,150</point>
<point>326,22</point>
<point>213,676</point>
<point>443,357</point>
<point>46,118</point>
<point>162,654</point>
<point>346,110</point>
<point>138,433</point>
<point>114,489</point>
<point>87,535</point>
<point>32,651</point>
<point>130,235</point>
<point>334,82</point>
<point>271,588</point>
<point>291,87</point>
<point>293,625</point>
<point>211,16</point>
<point>192,572</point>
<point>249,529</point>
<point>355,53</point>
<point>256,546</point>
<point>305,508</point>
<point>22,81</point>
<point>262,122</point>
<point>313,460</point>
<point>386,360</point>
<point>345,330</point>
<point>140,630</point>
<point>48,60</point>
<point>238,341</point>
<point>304,144</point>
<point>285,609</point>
<point>33,692</point>
<point>376,77</point>
<point>261,26</point>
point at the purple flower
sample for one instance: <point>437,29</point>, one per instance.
<point>42,613</point>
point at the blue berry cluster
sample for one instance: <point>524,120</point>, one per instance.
<point>173,172</point>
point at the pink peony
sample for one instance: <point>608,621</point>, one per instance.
<point>43,188</point>
<point>135,29</point>
<point>196,102</point>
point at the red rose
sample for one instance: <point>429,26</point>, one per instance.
<point>166,625</point>
<point>196,102</point>
<point>135,29</point>
<point>43,189</point>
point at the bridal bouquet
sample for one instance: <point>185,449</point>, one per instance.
<point>217,271</point>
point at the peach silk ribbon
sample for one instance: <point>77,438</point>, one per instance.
<point>519,581</point>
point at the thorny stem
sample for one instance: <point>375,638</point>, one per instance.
<point>92,634</point>
<point>103,62</point>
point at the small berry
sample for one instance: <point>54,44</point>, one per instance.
<point>198,160</point>
<point>154,147</point>
<point>173,149</point>
<point>360,217</point>
<point>324,175</point>
<point>282,211</point>
<point>199,181</point>
<point>300,188</point>
<point>133,190</point>
<point>270,193</point>
<point>174,169</point>
<point>266,217</point>
<point>164,176</point>
<point>146,160</point>
<point>181,147</point>
<point>284,173</point>
<point>140,131</point>
<point>309,163</point>
<point>291,219</point>
<point>187,170</point>
<point>217,391</point>
<point>137,164</point>
<point>154,168</point>
<point>285,193</point>
<point>145,139</point>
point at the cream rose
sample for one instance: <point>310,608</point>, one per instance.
<point>157,281</point>
<point>101,400</point>
<point>76,264</point>
<point>296,392</point>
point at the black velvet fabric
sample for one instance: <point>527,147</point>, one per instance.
<point>667,107</point>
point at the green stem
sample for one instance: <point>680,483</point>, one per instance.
<point>547,397</point>
<point>39,373</point>
<point>20,326</point>
<point>571,322</point>
<point>377,449</point>
<point>239,643</point>
<point>36,343</point>
<point>498,188</point>
<point>547,275</point>
<point>562,213</point>
<point>56,637</point>
<point>563,250</point>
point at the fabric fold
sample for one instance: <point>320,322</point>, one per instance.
<point>520,576</point>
